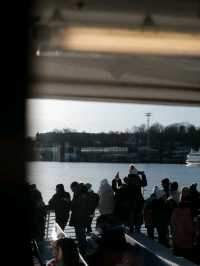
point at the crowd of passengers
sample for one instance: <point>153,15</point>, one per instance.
<point>121,204</point>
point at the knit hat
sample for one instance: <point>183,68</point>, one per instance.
<point>132,170</point>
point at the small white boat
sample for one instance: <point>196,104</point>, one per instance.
<point>193,157</point>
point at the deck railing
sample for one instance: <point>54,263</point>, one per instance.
<point>163,254</point>
<point>69,230</point>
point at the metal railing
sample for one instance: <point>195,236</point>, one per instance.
<point>163,254</point>
<point>69,230</point>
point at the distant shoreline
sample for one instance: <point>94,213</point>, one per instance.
<point>118,162</point>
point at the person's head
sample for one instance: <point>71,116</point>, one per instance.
<point>60,188</point>
<point>33,187</point>
<point>174,186</point>
<point>185,194</point>
<point>165,183</point>
<point>132,169</point>
<point>65,250</point>
<point>104,182</point>
<point>193,187</point>
<point>105,186</point>
<point>82,188</point>
<point>74,186</point>
<point>88,186</point>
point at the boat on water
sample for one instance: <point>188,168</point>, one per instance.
<point>193,157</point>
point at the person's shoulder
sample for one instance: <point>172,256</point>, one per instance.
<point>54,196</point>
<point>66,194</point>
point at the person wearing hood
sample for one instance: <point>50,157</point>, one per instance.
<point>116,183</point>
<point>106,198</point>
<point>136,180</point>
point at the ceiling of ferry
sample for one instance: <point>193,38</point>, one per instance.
<point>161,64</point>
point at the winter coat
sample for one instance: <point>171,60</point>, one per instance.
<point>116,184</point>
<point>182,228</point>
<point>93,201</point>
<point>81,210</point>
<point>136,200</point>
<point>106,199</point>
<point>61,203</point>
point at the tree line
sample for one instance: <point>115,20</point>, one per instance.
<point>160,138</point>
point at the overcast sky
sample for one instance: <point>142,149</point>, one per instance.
<point>46,115</point>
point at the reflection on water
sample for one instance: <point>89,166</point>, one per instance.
<point>47,174</point>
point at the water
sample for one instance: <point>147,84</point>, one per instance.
<point>47,174</point>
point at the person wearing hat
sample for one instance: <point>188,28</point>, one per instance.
<point>116,183</point>
<point>136,181</point>
<point>61,203</point>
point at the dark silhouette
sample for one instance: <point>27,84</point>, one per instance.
<point>65,253</point>
<point>112,246</point>
<point>136,180</point>
<point>75,188</point>
<point>183,227</point>
<point>121,209</point>
<point>116,183</point>
<point>166,186</point>
<point>80,216</point>
<point>93,203</point>
<point>61,203</point>
<point>37,213</point>
<point>195,199</point>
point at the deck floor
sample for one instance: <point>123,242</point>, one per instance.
<point>151,250</point>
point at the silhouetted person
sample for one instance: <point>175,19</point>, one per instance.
<point>106,198</point>
<point>121,209</point>
<point>160,216</point>
<point>38,213</point>
<point>75,188</point>
<point>80,215</point>
<point>136,180</point>
<point>174,192</point>
<point>65,253</point>
<point>61,203</point>
<point>183,227</point>
<point>172,201</point>
<point>195,199</point>
<point>116,183</point>
<point>166,186</point>
<point>112,247</point>
<point>93,203</point>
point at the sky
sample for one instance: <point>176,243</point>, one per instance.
<point>47,115</point>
